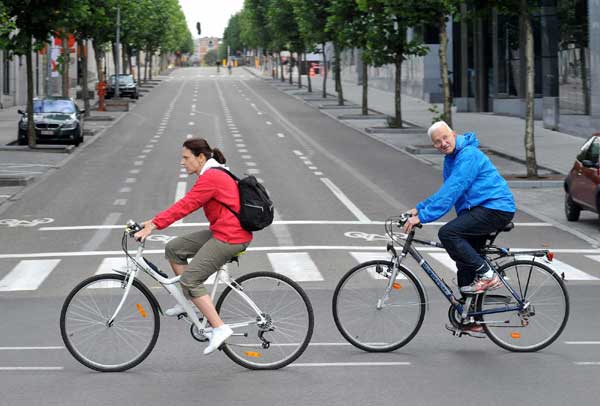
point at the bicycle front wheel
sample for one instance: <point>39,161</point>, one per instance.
<point>366,320</point>
<point>541,322</point>
<point>286,326</point>
<point>123,344</point>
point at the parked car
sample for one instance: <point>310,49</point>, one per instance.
<point>582,185</point>
<point>127,86</point>
<point>57,119</point>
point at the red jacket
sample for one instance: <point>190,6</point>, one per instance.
<point>211,188</point>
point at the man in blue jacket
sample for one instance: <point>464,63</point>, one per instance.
<point>481,198</point>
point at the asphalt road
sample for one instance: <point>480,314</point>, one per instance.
<point>333,188</point>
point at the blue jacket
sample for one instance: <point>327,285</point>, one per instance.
<point>470,180</point>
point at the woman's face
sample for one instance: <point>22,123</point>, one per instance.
<point>192,163</point>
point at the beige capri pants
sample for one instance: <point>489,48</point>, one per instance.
<point>208,255</point>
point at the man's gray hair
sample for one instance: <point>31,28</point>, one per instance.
<point>436,126</point>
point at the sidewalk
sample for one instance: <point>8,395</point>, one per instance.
<point>554,150</point>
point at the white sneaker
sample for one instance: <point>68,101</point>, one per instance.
<point>218,336</point>
<point>175,310</point>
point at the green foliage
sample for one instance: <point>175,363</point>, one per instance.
<point>231,35</point>
<point>283,26</point>
<point>311,16</point>
<point>254,23</point>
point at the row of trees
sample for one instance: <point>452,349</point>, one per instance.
<point>146,25</point>
<point>380,29</point>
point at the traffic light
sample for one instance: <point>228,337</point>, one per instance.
<point>198,27</point>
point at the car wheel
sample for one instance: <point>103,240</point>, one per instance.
<point>572,210</point>
<point>22,141</point>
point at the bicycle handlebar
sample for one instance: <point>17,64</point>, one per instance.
<point>132,227</point>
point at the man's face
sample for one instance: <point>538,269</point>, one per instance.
<point>444,140</point>
<point>191,163</point>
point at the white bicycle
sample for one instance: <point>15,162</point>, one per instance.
<point>110,322</point>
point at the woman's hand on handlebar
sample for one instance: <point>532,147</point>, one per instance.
<point>141,235</point>
<point>412,221</point>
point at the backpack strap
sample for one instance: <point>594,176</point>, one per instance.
<point>220,168</point>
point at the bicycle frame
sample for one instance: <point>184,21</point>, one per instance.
<point>461,308</point>
<point>169,284</point>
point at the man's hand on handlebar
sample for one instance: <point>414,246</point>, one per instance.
<point>412,221</point>
<point>141,235</point>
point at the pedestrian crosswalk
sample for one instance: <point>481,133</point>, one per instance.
<point>34,274</point>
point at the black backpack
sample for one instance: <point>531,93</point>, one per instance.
<point>256,207</point>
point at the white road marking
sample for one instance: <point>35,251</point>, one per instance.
<point>299,153</point>
<point>295,265</point>
<point>120,202</point>
<point>588,363</point>
<point>361,257</point>
<point>189,136</point>
<point>313,168</point>
<point>308,162</point>
<point>125,190</point>
<point>444,259</point>
<point>253,171</point>
<point>582,342</point>
<point>280,135</point>
<point>250,163</point>
<point>183,175</point>
<point>191,123</point>
<point>180,191</point>
<point>240,145</point>
<point>345,200</point>
<point>141,156</point>
<point>101,235</point>
<point>138,163</point>
<point>130,180</point>
<point>242,150</point>
<point>134,171</point>
<point>269,123</point>
<point>31,368</point>
<point>145,151</point>
<point>319,173</point>
<point>246,156</point>
<point>348,364</point>
<point>28,275</point>
<point>108,266</point>
<point>31,348</point>
<point>571,273</point>
<point>327,222</point>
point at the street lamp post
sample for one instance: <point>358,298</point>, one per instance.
<point>118,52</point>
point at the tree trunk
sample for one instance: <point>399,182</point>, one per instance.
<point>397,121</point>
<point>308,79</point>
<point>444,70</point>
<point>124,63</point>
<point>365,87</point>
<point>138,64</point>
<point>282,69</point>
<point>146,66</point>
<point>84,77</point>
<point>338,75</point>
<point>299,69</point>
<point>65,73</point>
<point>30,122</point>
<point>99,64</point>
<point>584,82</point>
<point>150,70</point>
<point>324,73</point>
<point>291,65</point>
<point>529,91</point>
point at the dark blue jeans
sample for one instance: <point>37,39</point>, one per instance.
<point>465,236</point>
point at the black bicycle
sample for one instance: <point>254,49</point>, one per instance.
<point>379,306</point>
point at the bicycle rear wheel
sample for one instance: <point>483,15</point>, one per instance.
<point>288,327</point>
<point>372,328</point>
<point>541,322</point>
<point>127,341</point>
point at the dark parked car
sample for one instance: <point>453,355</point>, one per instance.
<point>582,185</point>
<point>127,86</point>
<point>56,119</point>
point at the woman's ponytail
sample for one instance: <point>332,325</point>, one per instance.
<point>218,155</point>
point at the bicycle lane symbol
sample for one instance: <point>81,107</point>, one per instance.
<point>366,236</point>
<point>24,223</point>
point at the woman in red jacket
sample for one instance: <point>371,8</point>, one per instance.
<point>209,249</point>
